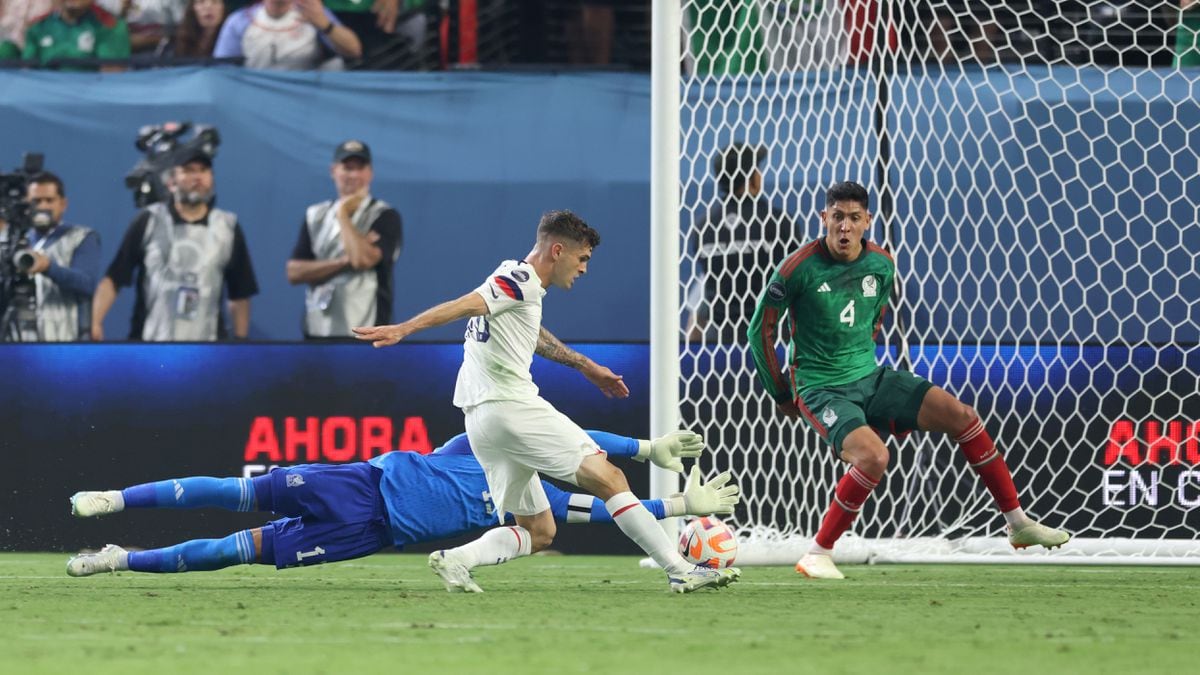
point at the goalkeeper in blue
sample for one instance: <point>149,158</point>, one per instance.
<point>336,512</point>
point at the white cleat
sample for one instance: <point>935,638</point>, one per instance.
<point>703,577</point>
<point>818,566</point>
<point>1036,534</point>
<point>110,559</point>
<point>89,504</point>
<point>455,575</point>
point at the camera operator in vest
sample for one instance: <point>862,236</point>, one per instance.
<point>346,250</point>
<point>184,252</point>
<point>63,262</point>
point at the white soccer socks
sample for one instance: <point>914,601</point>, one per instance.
<point>496,546</point>
<point>637,524</point>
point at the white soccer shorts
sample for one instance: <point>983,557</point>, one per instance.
<point>514,441</point>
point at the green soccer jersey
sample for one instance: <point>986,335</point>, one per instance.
<point>97,35</point>
<point>834,309</point>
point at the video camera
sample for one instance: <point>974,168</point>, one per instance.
<point>162,144</point>
<point>18,295</point>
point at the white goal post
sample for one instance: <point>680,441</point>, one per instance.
<point>1034,167</point>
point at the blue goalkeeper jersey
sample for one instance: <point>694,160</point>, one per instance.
<point>435,496</point>
<point>445,494</point>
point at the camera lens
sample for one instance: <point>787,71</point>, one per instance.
<point>24,260</point>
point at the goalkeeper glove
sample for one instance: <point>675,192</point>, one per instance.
<point>667,451</point>
<point>704,499</point>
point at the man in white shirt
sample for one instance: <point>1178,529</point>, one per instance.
<point>515,433</point>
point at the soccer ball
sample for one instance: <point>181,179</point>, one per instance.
<point>708,542</point>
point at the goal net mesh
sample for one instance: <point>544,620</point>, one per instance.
<point>1033,168</point>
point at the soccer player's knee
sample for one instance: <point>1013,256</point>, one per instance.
<point>601,478</point>
<point>966,415</point>
<point>875,463</point>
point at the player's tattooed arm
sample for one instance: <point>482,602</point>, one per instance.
<point>608,382</point>
<point>550,347</point>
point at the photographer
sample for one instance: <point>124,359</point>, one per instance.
<point>184,252</point>
<point>62,260</point>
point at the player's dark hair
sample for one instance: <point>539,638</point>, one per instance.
<point>45,177</point>
<point>846,191</point>
<point>567,225</point>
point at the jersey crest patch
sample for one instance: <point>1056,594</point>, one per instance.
<point>870,286</point>
<point>829,417</point>
<point>776,291</point>
<point>294,480</point>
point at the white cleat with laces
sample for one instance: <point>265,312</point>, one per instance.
<point>111,558</point>
<point>90,504</point>
<point>1036,534</point>
<point>455,575</point>
<point>818,566</point>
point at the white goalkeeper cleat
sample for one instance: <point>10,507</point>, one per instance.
<point>111,558</point>
<point>1036,534</point>
<point>455,575</point>
<point>818,566</point>
<point>703,577</point>
<point>89,504</point>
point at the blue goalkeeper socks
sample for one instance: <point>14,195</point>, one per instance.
<point>197,555</point>
<point>235,494</point>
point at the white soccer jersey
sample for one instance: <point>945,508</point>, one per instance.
<point>498,347</point>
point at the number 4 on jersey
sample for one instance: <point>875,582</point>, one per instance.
<point>847,315</point>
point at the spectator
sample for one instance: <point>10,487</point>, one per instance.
<point>151,22</point>
<point>740,239</point>
<point>64,261</point>
<point>346,250</point>
<point>1187,36</point>
<point>183,253</point>
<point>287,35</point>
<point>78,29</point>
<point>15,18</point>
<point>376,26</point>
<point>197,33</point>
<point>807,35</point>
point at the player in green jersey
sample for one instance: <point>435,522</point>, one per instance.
<point>835,291</point>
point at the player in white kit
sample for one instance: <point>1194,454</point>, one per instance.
<point>515,433</point>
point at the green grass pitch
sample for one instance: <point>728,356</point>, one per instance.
<point>582,614</point>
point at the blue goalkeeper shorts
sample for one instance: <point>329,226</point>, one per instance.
<point>336,512</point>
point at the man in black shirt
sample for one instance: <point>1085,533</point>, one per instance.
<point>741,240</point>
<point>184,253</point>
<point>346,250</point>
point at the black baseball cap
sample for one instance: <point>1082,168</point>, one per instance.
<point>733,165</point>
<point>193,155</point>
<point>350,149</point>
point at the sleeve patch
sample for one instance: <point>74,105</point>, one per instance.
<point>776,291</point>
<point>510,287</point>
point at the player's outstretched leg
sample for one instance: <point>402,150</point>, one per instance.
<point>868,458</point>
<point>495,547</point>
<point>606,481</point>
<point>979,449</point>
<point>235,494</point>
<point>197,555</point>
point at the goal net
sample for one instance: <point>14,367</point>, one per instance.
<point>1033,167</point>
